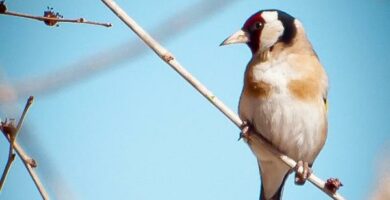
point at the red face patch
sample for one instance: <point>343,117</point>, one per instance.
<point>252,20</point>
<point>253,26</point>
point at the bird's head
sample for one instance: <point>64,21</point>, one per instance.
<point>264,29</point>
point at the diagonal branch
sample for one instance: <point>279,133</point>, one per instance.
<point>170,60</point>
<point>21,120</point>
<point>10,132</point>
<point>30,165</point>
<point>182,20</point>
<point>11,158</point>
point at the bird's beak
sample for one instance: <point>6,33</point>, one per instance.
<point>240,36</point>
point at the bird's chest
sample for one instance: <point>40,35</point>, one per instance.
<point>265,91</point>
<point>267,103</point>
<point>266,79</point>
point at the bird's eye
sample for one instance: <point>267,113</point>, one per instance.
<point>257,26</point>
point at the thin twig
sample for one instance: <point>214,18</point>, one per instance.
<point>169,59</point>
<point>86,67</point>
<point>39,18</point>
<point>30,100</point>
<point>51,19</point>
<point>30,164</point>
<point>129,51</point>
<point>11,158</point>
<point>10,132</point>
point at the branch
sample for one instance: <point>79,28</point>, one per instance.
<point>30,100</point>
<point>50,18</point>
<point>182,20</point>
<point>86,67</point>
<point>170,60</point>
<point>30,164</point>
<point>11,158</point>
<point>10,132</point>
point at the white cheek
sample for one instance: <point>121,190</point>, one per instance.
<point>270,34</point>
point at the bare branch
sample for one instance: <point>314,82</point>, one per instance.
<point>53,19</point>
<point>170,60</point>
<point>30,164</point>
<point>50,18</point>
<point>21,120</point>
<point>11,158</point>
<point>183,20</point>
<point>10,132</point>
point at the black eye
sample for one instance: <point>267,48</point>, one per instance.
<point>257,26</point>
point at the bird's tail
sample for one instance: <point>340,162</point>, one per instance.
<point>278,194</point>
<point>272,170</point>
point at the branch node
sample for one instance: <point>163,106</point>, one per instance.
<point>51,17</point>
<point>167,57</point>
<point>333,184</point>
<point>8,128</point>
<point>13,157</point>
<point>32,163</point>
<point>212,97</point>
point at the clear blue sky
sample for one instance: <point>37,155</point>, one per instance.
<point>138,131</point>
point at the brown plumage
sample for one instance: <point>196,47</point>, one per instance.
<point>284,95</point>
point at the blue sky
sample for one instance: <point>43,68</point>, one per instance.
<point>138,131</point>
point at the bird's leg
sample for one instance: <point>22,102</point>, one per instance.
<point>302,172</point>
<point>245,129</point>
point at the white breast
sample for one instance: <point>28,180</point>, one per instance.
<point>290,124</point>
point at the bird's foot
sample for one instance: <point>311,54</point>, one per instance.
<point>333,184</point>
<point>245,129</point>
<point>302,172</point>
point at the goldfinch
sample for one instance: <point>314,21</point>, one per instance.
<point>284,98</point>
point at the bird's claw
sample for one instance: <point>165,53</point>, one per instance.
<point>302,172</point>
<point>333,184</point>
<point>245,127</point>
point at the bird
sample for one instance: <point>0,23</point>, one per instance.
<point>284,98</point>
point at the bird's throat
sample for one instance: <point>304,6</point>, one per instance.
<point>262,56</point>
